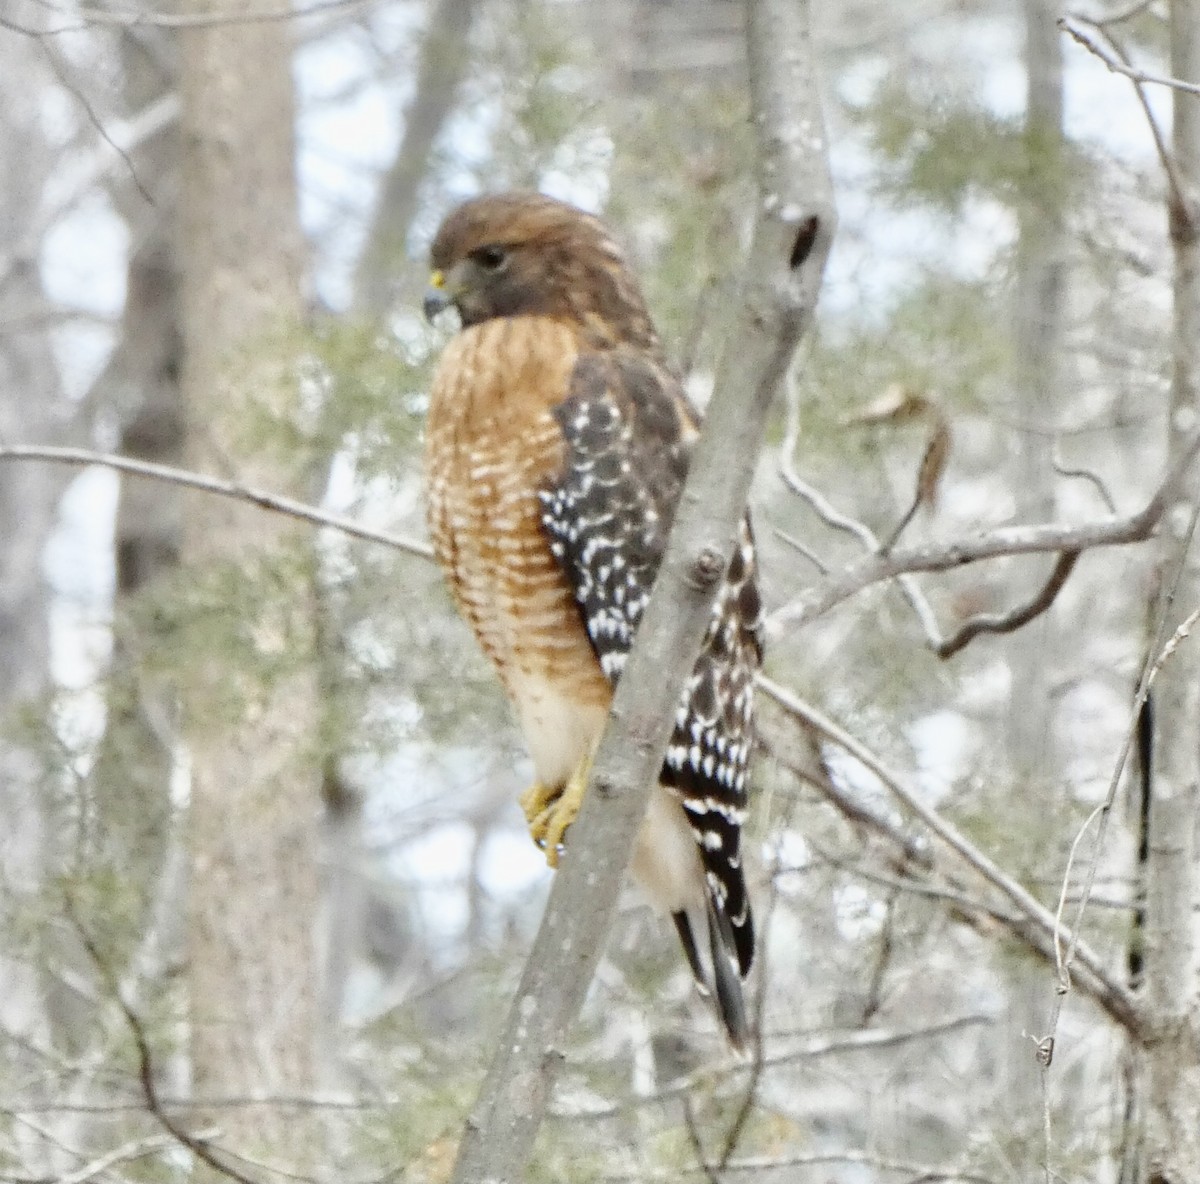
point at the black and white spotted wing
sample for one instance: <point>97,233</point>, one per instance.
<point>628,431</point>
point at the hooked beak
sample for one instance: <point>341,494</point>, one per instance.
<point>437,297</point>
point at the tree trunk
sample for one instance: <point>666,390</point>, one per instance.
<point>1172,1053</point>
<point>1033,754</point>
<point>1038,346</point>
<point>445,55</point>
<point>31,407</point>
<point>249,692</point>
<point>130,783</point>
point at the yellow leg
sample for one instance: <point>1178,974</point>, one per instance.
<point>550,811</point>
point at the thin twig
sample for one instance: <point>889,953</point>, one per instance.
<point>693,1133</point>
<point>1113,994</point>
<point>1064,976</point>
<point>61,71</point>
<point>1070,26</point>
<point>262,498</point>
<point>802,548</point>
<point>1015,618</point>
<point>126,1153</point>
<point>126,135</point>
<point>836,520</point>
<point>133,19</point>
<point>1087,475</point>
<point>1125,14</point>
<point>947,894</point>
<point>1118,61</point>
<point>807,1048</point>
<point>883,959</point>
<point>196,1144</point>
<point>1006,540</point>
<point>917,1172</point>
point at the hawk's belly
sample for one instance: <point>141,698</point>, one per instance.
<point>485,519</point>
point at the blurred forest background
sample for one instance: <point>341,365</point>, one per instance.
<point>264,888</point>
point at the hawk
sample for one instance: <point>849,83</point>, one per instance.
<point>556,448</point>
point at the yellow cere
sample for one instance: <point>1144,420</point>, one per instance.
<point>437,279</point>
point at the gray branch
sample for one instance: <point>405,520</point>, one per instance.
<point>792,236</point>
<point>831,590</point>
<point>263,498</point>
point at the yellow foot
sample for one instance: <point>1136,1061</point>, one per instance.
<point>549,811</point>
<point>538,803</point>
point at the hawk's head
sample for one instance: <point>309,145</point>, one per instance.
<point>522,254</point>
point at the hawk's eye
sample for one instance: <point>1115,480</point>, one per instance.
<point>491,257</point>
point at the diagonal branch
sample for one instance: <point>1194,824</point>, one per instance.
<point>196,1144</point>
<point>1071,26</point>
<point>90,16</point>
<point>1112,995</point>
<point>792,237</point>
<point>126,136</point>
<point>262,498</point>
<point>1118,61</point>
<point>836,520</point>
<point>126,1153</point>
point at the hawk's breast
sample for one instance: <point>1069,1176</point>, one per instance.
<point>491,444</point>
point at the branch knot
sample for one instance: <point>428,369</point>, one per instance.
<point>707,567</point>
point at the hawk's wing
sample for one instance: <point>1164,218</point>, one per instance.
<point>628,429</point>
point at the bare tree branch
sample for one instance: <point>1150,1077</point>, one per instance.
<point>1006,540</point>
<point>1082,474</point>
<point>824,595</point>
<point>766,1163</point>
<point>125,135</point>
<point>126,1153</point>
<point>791,242</point>
<point>262,498</point>
<point>1107,990</point>
<point>62,69</point>
<point>836,520</point>
<point>689,1121</point>
<point>132,18</point>
<point>1071,26</point>
<point>791,1047</point>
<point>1118,61</point>
<point>196,1144</point>
<point>1015,618</point>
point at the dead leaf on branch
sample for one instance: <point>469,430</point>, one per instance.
<point>898,405</point>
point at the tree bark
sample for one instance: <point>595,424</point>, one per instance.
<point>1040,290</point>
<point>1037,340</point>
<point>247,684</point>
<point>129,786</point>
<point>1172,1053</point>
